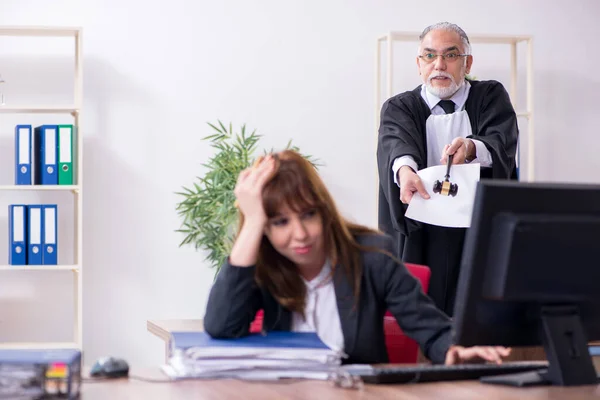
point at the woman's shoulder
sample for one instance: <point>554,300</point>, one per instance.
<point>379,259</point>
<point>375,240</point>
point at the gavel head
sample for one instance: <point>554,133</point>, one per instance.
<point>445,188</point>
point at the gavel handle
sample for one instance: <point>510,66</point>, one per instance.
<point>450,157</point>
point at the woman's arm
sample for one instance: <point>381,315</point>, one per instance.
<point>415,312</point>
<point>422,321</point>
<point>235,297</point>
<point>233,302</point>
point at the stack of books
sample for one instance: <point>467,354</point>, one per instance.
<point>272,356</point>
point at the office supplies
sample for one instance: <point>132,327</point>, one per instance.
<point>54,109</point>
<point>50,236</point>
<point>45,155</point>
<point>433,373</point>
<point>65,154</point>
<point>528,276</point>
<point>445,187</point>
<point>272,356</point>
<point>255,343</point>
<point>110,367</point>
<point>17,237</point>
<point>34,234</point>
<point>46,373</point>
<point>23,173</point>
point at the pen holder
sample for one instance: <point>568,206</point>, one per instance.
<point>445,187</point>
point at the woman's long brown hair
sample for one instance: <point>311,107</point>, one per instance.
<point>297,185</point>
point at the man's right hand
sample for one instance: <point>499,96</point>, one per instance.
<point>409,184</point>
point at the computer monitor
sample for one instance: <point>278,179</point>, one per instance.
<point>530,276</point>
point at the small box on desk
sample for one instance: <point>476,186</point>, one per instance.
<point>40,374</point>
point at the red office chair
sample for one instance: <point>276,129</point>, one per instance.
<point>400,348</point>
<point>256,325</point>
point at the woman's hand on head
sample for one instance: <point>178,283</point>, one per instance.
<point>249,187</point>
<point>460,355</point>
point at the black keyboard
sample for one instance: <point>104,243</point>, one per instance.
<point>433,373</point>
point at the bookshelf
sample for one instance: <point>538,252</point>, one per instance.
<point>510,40</point>
<point>74,111</point>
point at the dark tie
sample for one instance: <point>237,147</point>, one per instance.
<point>447,105</point>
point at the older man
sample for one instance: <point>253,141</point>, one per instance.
<point>447,115</point>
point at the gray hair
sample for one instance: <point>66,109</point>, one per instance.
<point>447,26</point>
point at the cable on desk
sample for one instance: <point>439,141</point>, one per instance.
<point>130,377</point>
<point>153,380</point>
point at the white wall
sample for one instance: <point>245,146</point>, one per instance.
<point>155,72</point>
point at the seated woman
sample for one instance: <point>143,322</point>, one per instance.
<point>309,269</point>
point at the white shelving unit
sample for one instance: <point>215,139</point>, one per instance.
<point>75,111</point>
<point>389,39</point>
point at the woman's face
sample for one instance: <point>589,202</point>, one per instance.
<point>298,236</point>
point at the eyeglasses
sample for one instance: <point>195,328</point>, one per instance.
<point>449,57</point>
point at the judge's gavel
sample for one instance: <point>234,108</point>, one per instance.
<point>446,188</point>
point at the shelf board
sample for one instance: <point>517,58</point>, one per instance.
<point>39,109</point>
<point>39,31</point>
<point>39,268</point>
<point>40,187</point>
<point>38,345</point>
<point>494,39</point>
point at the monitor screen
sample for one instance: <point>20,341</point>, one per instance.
<point>529,273</point>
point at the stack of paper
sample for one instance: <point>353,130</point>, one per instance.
<point>448,211</point>
<point>265,357</point>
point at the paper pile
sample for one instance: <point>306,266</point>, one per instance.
<point>448,211</point>
<point>255,357</point>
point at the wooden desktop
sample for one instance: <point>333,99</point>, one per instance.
<point>134,388</point>
<point>121,389</point>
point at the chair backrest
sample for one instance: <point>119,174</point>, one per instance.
<point>400,348</point>
<point>256,325</point>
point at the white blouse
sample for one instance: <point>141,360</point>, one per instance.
<point>321,311</point>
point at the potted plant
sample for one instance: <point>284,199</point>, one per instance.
<point>207,207</point>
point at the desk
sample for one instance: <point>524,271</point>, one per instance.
<point>123,389</point>
<point>234,389</point>
<point>163,328</point>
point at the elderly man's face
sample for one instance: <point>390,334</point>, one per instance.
<point>443,77</point>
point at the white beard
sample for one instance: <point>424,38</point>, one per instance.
<point>444,92</point>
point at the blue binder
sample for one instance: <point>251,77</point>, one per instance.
<point>50,236</point>
<point>35,227</point>
<point>274,339</point>
<point>17,234</point>
<point>46,166</point>
<point>23,155</point>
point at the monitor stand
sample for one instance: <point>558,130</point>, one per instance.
<point>565,343</point>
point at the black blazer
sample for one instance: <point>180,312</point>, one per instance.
<point>386,285</point>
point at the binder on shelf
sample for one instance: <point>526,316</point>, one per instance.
<point>49,239</point>
<point>23,155</point>
<point>65,154</point>
<point>17,234</point>
<point>34,230</point>
<point>45,155</point>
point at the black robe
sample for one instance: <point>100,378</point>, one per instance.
<point>402,132</point>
